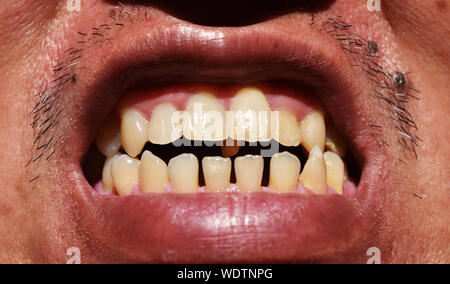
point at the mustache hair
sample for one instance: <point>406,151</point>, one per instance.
<point>392,91</point>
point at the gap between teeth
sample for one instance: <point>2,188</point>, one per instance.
<point>252,120</point>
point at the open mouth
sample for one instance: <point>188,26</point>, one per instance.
<point>222,145</point>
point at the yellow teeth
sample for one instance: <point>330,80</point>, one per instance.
<point>183,172</point>
<point>164,128</point>
<point>335,171</point>
<point>335,142</point>
<point>217,172</point>
<point>313,131</point>
<point>252,116</point>
<point>289,130</point>
<point>207,118</point>
<point>249,171</point>
<point>284,171</point>
<point>107,180</point>
<point>124,172</point>
<point>134,129</point>
<point>314,175</point>
<point>108,140</point>
<point>153,174</point>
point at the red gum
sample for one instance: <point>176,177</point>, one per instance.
<point>296,101</point>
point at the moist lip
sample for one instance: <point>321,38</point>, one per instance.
<point>231,227</point>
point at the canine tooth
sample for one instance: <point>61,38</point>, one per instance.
<point>107,180</point>
<point>134,129</point>
<point>335,171</point>
<point>153,174</point>
<point>124,172</point>
<point>183,173</point>
<point>252,116</point>
<point>249,171</point>
<point>207,118</point>
<point>284,171</point>
<point>289,130</point>
<point>313,131</point>
<point>108,140</point>
<point>335,142</point>
<point>314,176</point>
<point>164,127</point>
<point>217,172</point>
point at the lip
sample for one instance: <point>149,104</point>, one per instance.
<point>231,227</point>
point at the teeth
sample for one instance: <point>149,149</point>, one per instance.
<point>230,148</point>
<point>217,172</point>
<point>183,172</point>
<point>124,173</point>
<point>284,171</point>
<point>207,118</point>
<point>314,176</point>
<point>249,171</point>
<point>164,127</point>
<point>134,131</point>
<point>153,174</point>
<point>313,131</point>
<point>107,180</point>
<point>335,142</point>
<point>108,140</point>
<point>335,171</point>
<point>289,130</point>
<point>252,116</point>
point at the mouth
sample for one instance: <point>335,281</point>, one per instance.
<point>222,145</point>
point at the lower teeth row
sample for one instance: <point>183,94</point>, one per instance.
<point>152,175</point>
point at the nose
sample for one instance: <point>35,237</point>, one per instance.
<point>232,13</point>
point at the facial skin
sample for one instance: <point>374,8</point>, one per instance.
<point>39,220</point>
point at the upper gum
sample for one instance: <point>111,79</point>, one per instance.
<point>145,101</point>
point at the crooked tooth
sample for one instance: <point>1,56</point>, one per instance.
<point>217,172</point>
<point>284,171</point>
<point>335,142</point>
<point>134,129</point>
<point>289,130</point>
<point>207,118</point>
<point>314,175</point>
<point>124,172</point>
<point>252,116</point>
<point>153,174</point>
<point>183,173</point>
<point>165,126</point>
<point>335,171</point>
<point>313,131</point>
<point>107,180</point>
<point>249,171</point>
<point>108,140</point>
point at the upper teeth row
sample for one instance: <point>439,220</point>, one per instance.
<point>153,175</point>
<point>250,118</point>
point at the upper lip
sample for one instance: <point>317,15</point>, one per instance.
<point>223,227</point>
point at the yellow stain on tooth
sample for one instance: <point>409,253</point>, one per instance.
<point>284,172</point>
<point>134,129</point>
<point>164,126</point>
<point>107,180</point>
<point>217,172</point>
<point>153,174</point>
<point>289,130</point>
<point>335,171</point>
<point>124,172</point>
<point>313,131</point>
<point>249,172</point>
<point>183,173</point>
<point>314,175</point>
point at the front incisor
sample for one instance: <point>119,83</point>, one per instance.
<point>249,172</point>
<point>313,131</point>
<point>314,175</point>
<point>165,126</point>
<point>284,171</point>
<point>335,171</point>
<point>183,173</point>
<point>252,115</point>
<point>289,130</point>
<point>217,172</point>
<point>134,129</point>
<point>153,174</point>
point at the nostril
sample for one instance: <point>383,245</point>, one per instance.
<point>231,13</point>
